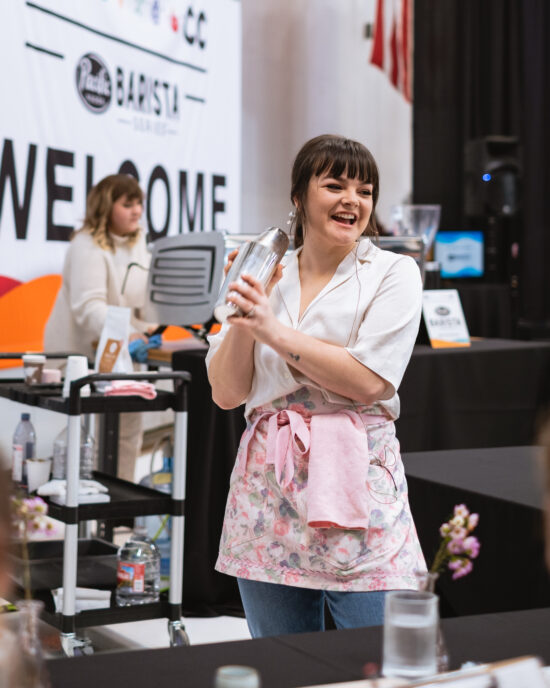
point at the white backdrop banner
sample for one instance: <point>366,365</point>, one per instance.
<point>148,87</point>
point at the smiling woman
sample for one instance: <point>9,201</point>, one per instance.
<point>318,508</point>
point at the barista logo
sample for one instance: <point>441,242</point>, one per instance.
<point>442,310</point>
<point>93,83</point>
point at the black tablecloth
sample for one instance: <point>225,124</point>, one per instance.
<point>488,308</point>
<point>212,441</point>
<point>301,660</point>
<point>485,396</point>
<point>503,485</point>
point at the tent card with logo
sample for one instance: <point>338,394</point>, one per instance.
<point>444,318</point>
<point>147,87</point>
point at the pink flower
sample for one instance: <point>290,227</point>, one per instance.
<point>473,520</point>
<point>281,527</point>
<point>471,546</point>
<point>458,533</point>
<point>259,457</point>
<point>444,530</point>
<point>291,578</point>
<point>463,570</point>
<point>37,505</point>
<point>456,546</point>
<point>461,510</point>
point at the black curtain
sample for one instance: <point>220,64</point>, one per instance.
<point>536,137</point>
<point>482,68</point>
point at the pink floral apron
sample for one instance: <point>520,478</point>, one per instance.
<point>266,534</point>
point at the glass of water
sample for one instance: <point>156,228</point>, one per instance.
<point>410,633</point>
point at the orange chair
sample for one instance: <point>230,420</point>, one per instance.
<point>24,311</point>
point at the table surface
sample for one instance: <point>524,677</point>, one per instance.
<point>512,474</point>
<point>302,660</point>
<point>482,345</point>
<point>164,353</point>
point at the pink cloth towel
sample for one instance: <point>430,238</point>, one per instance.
<point>131,388</point>
<point>337,492</point>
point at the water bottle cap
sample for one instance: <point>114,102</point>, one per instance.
<point>140,531</point>
<point>25,416</point>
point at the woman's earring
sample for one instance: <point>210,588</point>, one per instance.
<point>291,217</point>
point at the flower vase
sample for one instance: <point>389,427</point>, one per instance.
<point>426,582</point>
<point>32,669</point>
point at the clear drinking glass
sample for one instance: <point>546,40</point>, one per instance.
<point>410,634</point>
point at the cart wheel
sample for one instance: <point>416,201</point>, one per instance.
<point>178,634</point>
<point>76,647</point>
<point>83,650</point>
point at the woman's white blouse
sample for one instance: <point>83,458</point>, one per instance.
<point>371,306</point>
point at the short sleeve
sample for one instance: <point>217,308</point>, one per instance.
<point>389,328</point>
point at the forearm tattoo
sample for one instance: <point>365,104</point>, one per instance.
<point>294,357</point>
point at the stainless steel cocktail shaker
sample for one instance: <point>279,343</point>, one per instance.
<point>257,258</point>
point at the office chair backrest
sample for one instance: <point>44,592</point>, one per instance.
<point>184,278</point>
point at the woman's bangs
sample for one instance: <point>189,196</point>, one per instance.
<point>350,162</point>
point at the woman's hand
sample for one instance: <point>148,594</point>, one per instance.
<point>134,336</point>
<point>230,258</point>
<point>251,297</point>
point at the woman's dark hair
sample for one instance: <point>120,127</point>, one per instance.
<point>332,155</point>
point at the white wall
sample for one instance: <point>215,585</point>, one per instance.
<point>306,72</point>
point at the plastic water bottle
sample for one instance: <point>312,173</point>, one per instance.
<point>138,571</point>
<point>87,453</point>
<point>158,527</point>
<point>23,447</point>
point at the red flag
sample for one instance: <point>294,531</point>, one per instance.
<point>391,50</point>
<point>405,49</point>
<point>394,56</point>
<point>377,57</point>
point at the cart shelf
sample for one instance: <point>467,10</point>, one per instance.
<point>50,397</point>
<point>127,500</point>
<point>112,615</point>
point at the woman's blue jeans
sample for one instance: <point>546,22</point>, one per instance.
<point>273,609</point>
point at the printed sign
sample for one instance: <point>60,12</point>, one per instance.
<point>444,318</point>
<point>147,87</point>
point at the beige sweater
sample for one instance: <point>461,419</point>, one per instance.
<point>92,280</point>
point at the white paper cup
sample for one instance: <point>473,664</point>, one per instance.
<point>38,472</point>
<point>51,376</point>
<point>77,367</point>
<point>32,367</point>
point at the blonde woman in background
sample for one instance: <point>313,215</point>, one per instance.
<point>96,267</point>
